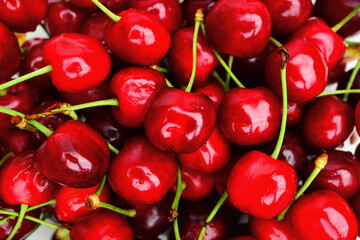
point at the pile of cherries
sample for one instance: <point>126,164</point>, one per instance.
<point>160,119</point>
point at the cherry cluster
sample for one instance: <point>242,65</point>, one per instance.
<point>160,119</point>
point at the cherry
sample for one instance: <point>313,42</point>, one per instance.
<point>18,141</point>
<point>190,6</point>
<point>95,26</point>
<point>249,116</point>
<point>341,174</point>
<point>85,3</point>
<point>357,117</point>
<point>288,15</point>
<point>323,215</point>
<point>178,121</point>
<point>214,90</point>
<point>10,55</point>
<point>78,62</point>
<point>268,184</point>
<point>75,155</point>
<point>64,17</point>
<point>137,38</point>
<point>17,16</point>
<point>327,122</point>
<point>250,31</point>
<point>23,183</point>
<point>168,12</point>
<point>270,229</point>
<point>116,5</point>
<point>243,238</point>
<point>355,205</point>
<point>135,88</point>
<point>294,113</point>
<point>181,49</point>
<point>101,224</point>
<point>141,173</point>
<point>306,73</point>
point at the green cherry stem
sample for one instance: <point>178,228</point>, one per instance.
<point>5,158</point>
<point>222,199</point>
<point>160,69</point>
<point>275,42</point>
<point>351,42</point>
<point>113,148</point>
<point>3,92</point>
<point>109,13</point>
<point>345,19</point>
<point>168,83</point>
<point>107,102</point>
<point>216,75</point>
<point>25,77</point>
<point>52,201</point>
<point>227,79</point>
<point>320,163</point>
<point>23,208</point>
<point>338,92</point>
<point>101,186</point>
<point>351,80</point>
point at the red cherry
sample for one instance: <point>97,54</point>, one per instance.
<point>18,16</point>
<point>178,121</point>
<point>101,224</point>
<point>78,62</point>
<point>243,238</point>
<point>21,182</point>
<point>141,173</point>
<point>327,122</point>
<point>355,205</point>
<point>18,141</point>
<point>135,88</point>
<point>357,117</point>
<point>260,185</point>
<point>137,38</point>
<point>95,26</point>
<point>249,116</point>
<point>294,113</point>
<point>214,90</point>
<point>75,155</point>
<point>323,215</point>
<point>190,6</point>
<point>250,30</point>
<point>116,5</point>
<point>85,3</point>
<point>180,54</point>
<point>270,229</point>
<point>306,71</point>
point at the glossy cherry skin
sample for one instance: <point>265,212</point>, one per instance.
<point>78,62</point>
<point>19,18</point>
<point>249,116</point>
<point>327,122</point>
<point>211,157</point>
<point>330,44</point>
<point>75,155</point>
<point>23,183</point>
<point>135,88</point>
<point>341,174</point>
<point>18,141</point>
<point>355,205</point>
<point>26,226</point>
<point>137,38</point>
<point>250,30</point>
<point>178,121</point>
<point>190,6</point>
<point>85,3</point>
<point>116,5</point>
<point>288,15</point>
<point>294,113</point>
<point>268,184</point>
<point>95,26</point>
<point>10,55</point>
<point>101,224</point>
<point>214,90</point>
<point>306,70</point>
<point>70,202</point>
<point>141,173</point>
<point>180,57</point>
<point>271,229</point>
<point>168,12</point>
<point>325,213</point>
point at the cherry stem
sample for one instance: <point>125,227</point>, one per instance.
<point>351,42</point>
<point>275,42</point>
<point>168,83</point>
<point>3,92</point>
<point>126,212</point>
<point>109,13</point>
<point>351,80</point>
<point>107,102</point>
<point>23,208</point>
<point>320,162</point>
<point>222,199</point>
<point>227,80</point>
<point>338,92</point>
<point>160,69</point>
<point>101,186</point>
<point>345,19</point>
<point>112,148</point>
<point>216,75</point>
<point>25,77</point>
<point>5,158</point>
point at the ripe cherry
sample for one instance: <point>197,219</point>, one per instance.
<point>271,229</point>
<point>116,5</point>
<point>95,26</point>
<point>85,3</point>
<point>214,90</point>
<point>355,205</point>
<point>191,6</point>
<point>18,141</point>
<point>294,113</point>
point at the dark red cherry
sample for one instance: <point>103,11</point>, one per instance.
<point>78,62</point>
<point>64,17</point>
<point>95,26</point>
<point>330,44</point>
<point>178,121</point>
<point>18,141</point>
<point>26,226</point>
<point>141,173</point>
<point>243,238</point>
<point>268,184</point>
<point>357,117</point>
<point>116,5</point>
<point>355,205</point>
<point>180,57</point>
<point>250,116</point>
<point>137,38</point>
<point>288,15</point>
<point>250,30</point>
<point>214,90</point>
<point>70,202</point>
<point>168,12</point>
<point>135,88</point>
<point>294,113</point>
<point>271,229</point>
<point>306,71</point>
<point>21,182</point>
<point>341,174</point>
<point>75,155</point>
<point>85,3</point>
<point>190,6</point>
<point>323,215</point>
<point>327,122</point>
<point>17,16</point>
<point>101,224</point>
